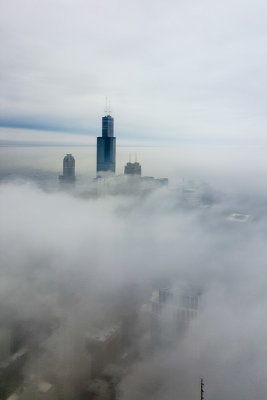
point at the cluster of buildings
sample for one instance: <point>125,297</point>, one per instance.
<point>106,159</point>
<point>189,195</point>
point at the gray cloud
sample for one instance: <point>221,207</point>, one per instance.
<point>178,69</point>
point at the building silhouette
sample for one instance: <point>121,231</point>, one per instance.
<point>106,147</point>
<point>132,168</point>
<point>68,169</point>
<point>172,310</point>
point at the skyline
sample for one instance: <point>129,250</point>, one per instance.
<point>127,280</point>
<point>178,71</point>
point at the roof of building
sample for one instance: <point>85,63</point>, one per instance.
<point>237,217</point>
<point>102,335</point>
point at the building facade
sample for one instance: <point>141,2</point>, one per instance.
<point>172,310</point>
<point>68,169</point>
<point>106,147</point>
<point>132,168</point>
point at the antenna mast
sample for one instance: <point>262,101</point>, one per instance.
<point>106,106</point>
<point>201,389</point>
<point>109,109</point>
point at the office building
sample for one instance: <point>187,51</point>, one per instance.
<point>106,147</point>
<point>103,345</point>
<point>172,310</point>
<point>132,168</point>
<point>68,169</point>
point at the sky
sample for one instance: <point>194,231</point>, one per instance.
<point>174,70</point>
<point>187,82</point>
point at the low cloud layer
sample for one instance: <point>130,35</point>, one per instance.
<point>85,263</point>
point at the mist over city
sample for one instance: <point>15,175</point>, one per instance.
<point>133,200</point>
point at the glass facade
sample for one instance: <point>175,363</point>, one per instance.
<point>106,146</point>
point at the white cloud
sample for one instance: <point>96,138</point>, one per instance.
<point>81,261</point>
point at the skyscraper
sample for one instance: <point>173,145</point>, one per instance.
<point>132,168</point>
<point>172,311</point>
<point>106,147</point>
<point>68,169</point>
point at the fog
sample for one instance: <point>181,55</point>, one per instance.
<point>128,288</point>
<point>229,167</point>
<point>70,263</point>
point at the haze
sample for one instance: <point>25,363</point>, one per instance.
<point>82,264</point>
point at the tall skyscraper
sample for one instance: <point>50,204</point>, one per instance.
<point>106,147</point>
<point>68,169</point>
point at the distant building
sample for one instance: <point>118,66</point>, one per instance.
<point>172,310</point>
<point>6,336</point>
<point>35,390</point>
<point>237,217</point>
<point>68,169</point>
<point>106,147</point>
<point>132,168</point>
<point>152,182</point>
<point>103,345</point>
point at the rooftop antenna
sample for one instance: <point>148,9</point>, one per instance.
<point>109,108</point>
<point>201,389</point>
<point>130,157</point>
<point>106,106</point>
<point>135,158</point>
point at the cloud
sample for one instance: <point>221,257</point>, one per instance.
<point>178,70</point>
<point>73,263</point>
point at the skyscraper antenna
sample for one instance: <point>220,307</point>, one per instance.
<point>109,108</point>
<point>135,157</point>
<point>201,389</point>
<point>106,106</point>
<point>130,157</point>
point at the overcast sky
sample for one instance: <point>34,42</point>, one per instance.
<point>175,70</point>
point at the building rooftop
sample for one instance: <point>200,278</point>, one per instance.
<point>102,335</point>
<point>237,217</point>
